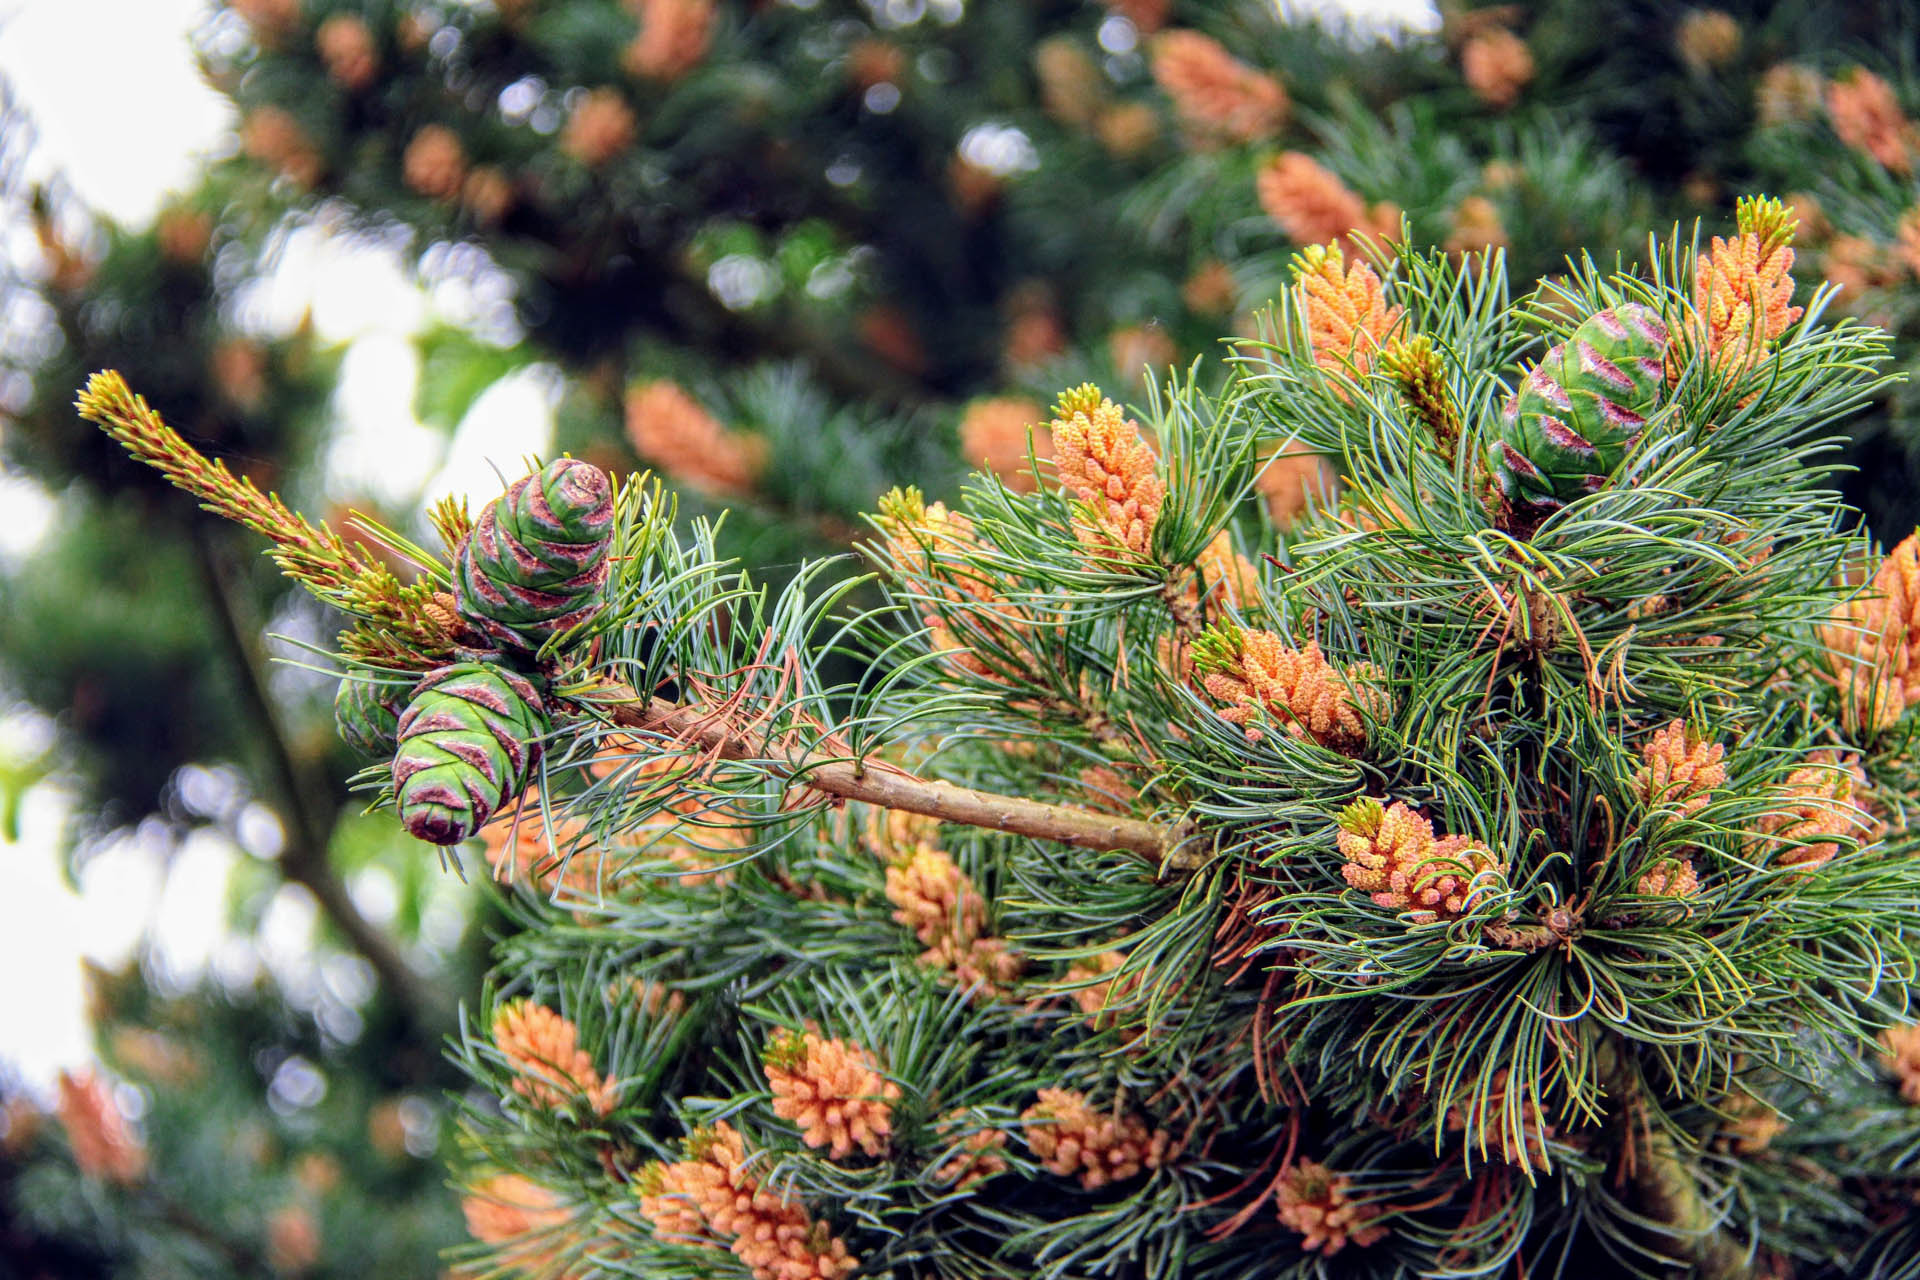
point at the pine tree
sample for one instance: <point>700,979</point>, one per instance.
<point>1467,886</point>
<point>791,257</point>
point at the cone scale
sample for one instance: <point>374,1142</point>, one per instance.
<point>366,713</point>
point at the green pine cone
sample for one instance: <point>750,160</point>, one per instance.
<point>535,564</point>
<point>367,713</point>
<point>468,743</point>
<point>1581,409</point>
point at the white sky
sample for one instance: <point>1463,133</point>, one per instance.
<point>122,112</point>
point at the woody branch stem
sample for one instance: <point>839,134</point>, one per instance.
<point>882,784</point>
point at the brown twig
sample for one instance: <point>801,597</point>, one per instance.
<point>891,787</point>
<point>1663,1185</point>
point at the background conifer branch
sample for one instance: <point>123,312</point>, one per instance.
<point>305,799</point>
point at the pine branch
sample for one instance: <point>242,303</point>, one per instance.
<point>1664,1188</point>
<point>315,556</point>
<point>893,788</point>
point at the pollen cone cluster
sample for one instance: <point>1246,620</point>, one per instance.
<point>1096,993</point>
<point>928,538</point>
<point>670,430</point>
<point>673,37</point>
<point>1394,857</point>
<point>1318,1203</point>
<point>525,844</point>
<point>1313,206</point>
<point>994,435</point>
<point>1218,97</point>
<point>518,1216</point>
<point>923,540</point>
<point>1873,643</point>
<point>1227,575</point>
<point>1681,769</point>
<point>1866,115</point>
<point>979,1156</point>
<point>711,1198</point>
<point>1492,1126</point>
<point>1102,458</point>
<point>1743,288</point>
<point>1497,65</point>
<point>551,1070</point>
<point>1259,677</point>
<point>1071,1138</point>
<point>833,1092</point>
<point>1345,309</point>
<point>1901,1052</point>
<point>1820,800</point>
<point>1669,878</point>
<point>937,900</point>
<point>104,1145</point>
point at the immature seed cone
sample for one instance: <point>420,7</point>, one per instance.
<point>366,713</point>
<point>468,743</point>
<point>535,564</point>
<point>1581,409</point>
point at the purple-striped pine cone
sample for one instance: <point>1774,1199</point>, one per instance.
<point>468,744</point>
<point>367,713</point>
<point>535,564</point>
<point>1581,409</point>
